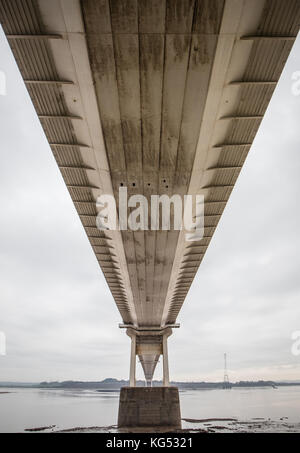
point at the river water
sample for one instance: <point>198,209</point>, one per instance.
<point>66,409</point>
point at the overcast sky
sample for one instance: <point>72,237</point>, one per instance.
<point>56,310</point>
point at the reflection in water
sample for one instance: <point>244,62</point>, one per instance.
<point>67,393</point>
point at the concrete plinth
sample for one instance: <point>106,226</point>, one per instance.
<point>149,406</point>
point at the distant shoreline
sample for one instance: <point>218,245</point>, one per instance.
<point>111,384</point>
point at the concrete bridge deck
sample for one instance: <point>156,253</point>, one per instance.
<point>161,97</point>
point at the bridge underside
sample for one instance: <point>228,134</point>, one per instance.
<point>161,97</point>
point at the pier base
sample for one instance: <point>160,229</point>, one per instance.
<point>149,407</point>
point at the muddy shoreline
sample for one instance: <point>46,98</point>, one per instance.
<point>209,425</point>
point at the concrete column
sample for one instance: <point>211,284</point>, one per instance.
<point>166,379</point>
<point>132,380</point>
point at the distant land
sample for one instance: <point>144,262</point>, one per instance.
<point>115,384</point>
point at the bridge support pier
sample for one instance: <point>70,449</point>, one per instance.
<point>149,406</point>
<point>166,378</point>
<point>132,374</point>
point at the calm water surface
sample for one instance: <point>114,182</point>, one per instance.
<point>30,408</point>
